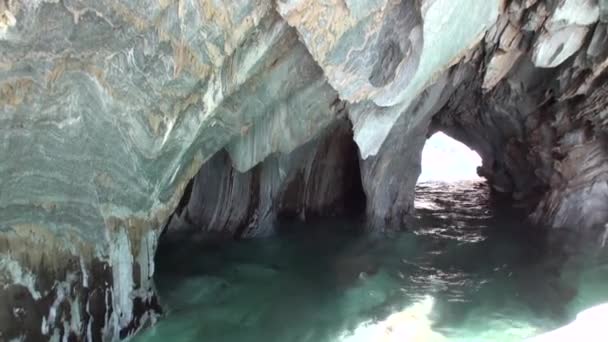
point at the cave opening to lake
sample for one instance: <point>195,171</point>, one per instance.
<point>465,269</point>
<point>445,159</point>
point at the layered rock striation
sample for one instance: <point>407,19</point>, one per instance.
<point>119,118</point>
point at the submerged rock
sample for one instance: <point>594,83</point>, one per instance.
<point>109,109</point>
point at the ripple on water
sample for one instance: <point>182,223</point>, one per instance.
<point>464,273</point>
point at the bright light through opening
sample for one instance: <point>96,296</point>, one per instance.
<point>447,160</point>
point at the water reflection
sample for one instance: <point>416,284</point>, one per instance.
<point>465,273</point>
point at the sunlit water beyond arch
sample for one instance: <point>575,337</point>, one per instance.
<point>447,160</point>
<point>465,273</point>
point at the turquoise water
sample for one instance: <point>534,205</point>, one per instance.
<point>464,273</point>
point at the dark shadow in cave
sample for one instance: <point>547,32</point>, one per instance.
<point>320,179</point>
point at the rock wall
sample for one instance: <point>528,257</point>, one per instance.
<point>534,108</point>
<point>108,110</point>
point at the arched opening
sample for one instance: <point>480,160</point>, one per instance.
<point>450,189</point>
<point>446,159</point>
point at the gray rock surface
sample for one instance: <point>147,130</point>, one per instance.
<point>109,108</point>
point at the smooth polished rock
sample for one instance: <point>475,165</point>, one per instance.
<point>603,10</point>
<point>565,32</point>
<point>466,23</point>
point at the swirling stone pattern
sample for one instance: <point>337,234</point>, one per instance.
<point>111,111</point>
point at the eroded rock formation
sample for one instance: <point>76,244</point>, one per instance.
<point>319,179</point>
<point>108,110</point>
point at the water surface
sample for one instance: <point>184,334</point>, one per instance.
<point>466,272</point>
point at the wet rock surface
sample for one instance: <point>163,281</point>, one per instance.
<point>109,109</point>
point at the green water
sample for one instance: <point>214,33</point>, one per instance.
<point>464,273</point>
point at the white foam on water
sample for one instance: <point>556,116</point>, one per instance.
<point>411,324</point>
<point>589,326</point>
